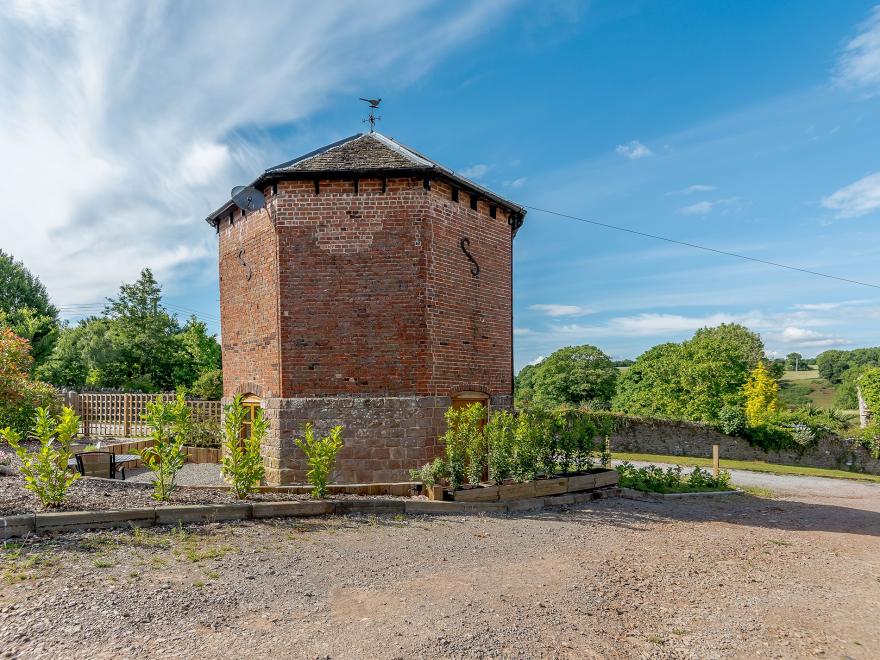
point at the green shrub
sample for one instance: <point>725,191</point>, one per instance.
<point>472,421</point>
<point>732,421</point>
<point>205,433</point>
<point>169,423</point>
<point>655,479</point>
<point>46,471</point>
<point>20,395</point>
<point>430,474</point>
<point>242,464</point>
<point>500,432</point>
<point>209,385</point>
<point>869,437</point>
<point>459,439</point>
<point>321,456</point>
<point>705,480</point>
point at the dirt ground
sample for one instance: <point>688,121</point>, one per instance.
<point>793,576</point>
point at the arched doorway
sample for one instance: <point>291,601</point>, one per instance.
<point>466,398</point>
<point>250,403</point>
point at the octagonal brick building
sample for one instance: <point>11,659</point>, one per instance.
<point>374,290</point>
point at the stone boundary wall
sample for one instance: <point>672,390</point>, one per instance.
<point>676,438</point>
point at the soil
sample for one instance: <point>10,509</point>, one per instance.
<point>797,575</point>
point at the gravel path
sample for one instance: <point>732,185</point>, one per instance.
<point>794,576</point>
<point>192,474</point>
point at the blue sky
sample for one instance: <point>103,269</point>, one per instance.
<point>752,127</point>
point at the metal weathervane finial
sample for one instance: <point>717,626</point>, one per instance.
<point>374,105</point>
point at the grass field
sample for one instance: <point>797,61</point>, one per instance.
<point>799,388</point>
<point>753,466</point>
<point>811,374</point>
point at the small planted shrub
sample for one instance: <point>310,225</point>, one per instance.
<point>430,474</point>
<point>169,423</point>
<point>457,440</point>
<point>242,465</point>
<point>500,432</point>
<point>655,479</point>
<point>45,471</point>
<point>472,423</point>
<point>321,456</point>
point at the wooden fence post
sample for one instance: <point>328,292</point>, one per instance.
<point>127,416</point>
<point>86,404</point>
<point>716,463</point>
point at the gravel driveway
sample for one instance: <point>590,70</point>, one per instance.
<point>794,576</point>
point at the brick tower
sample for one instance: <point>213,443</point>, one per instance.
<point>373,291</point>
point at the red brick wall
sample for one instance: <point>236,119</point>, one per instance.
<point>249,308</point>
<point>352,288</point>
<point>376,294</point>
<point>469,318</point>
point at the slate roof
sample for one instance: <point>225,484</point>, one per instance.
<point>367,153</point>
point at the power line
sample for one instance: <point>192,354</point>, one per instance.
<point>97,307</point>
<point>701,247</point>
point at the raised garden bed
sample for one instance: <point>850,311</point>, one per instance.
<point>41,522</point>
<point>574,483</point>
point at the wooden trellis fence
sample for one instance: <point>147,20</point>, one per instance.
<point>121,415</point>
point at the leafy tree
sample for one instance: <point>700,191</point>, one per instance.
<point>652,386</point>
<point>198,352</point>
<point>795,362</point>
<point>833,364</point>
<point>846,395</point>
<point>82,356</point>
<point>136,345</point>
<point>762,396</point>
<point>209,385</point>
<point>144,335</point>
<point>20,395</point>
<point>25,307</point>
<point>869,382</point>
<point>692,380</point>
<point>573,375</point>
<point>524,384</point>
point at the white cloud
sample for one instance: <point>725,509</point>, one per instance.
<point>808,338</point>
<point>705,207</point>
<point>537,360</point>
<point>518,183</point>
<point>475,171</point>
<point>203,162</point>
<point>830,305</point>
<point>697,188</point>
<point>121,130</point>
<point>649,324</point>
<point>524,332</point>
<point>700,208</point>
<point>859,64</point>
<point>857,198</point>
<point>561,310</point>
<point>633,150</point>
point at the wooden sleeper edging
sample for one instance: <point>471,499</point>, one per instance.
<point>61,521</point>
<point>69,521</point>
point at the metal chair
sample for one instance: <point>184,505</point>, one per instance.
<point>99,464</point>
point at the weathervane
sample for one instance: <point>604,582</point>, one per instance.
<point>374,105</point>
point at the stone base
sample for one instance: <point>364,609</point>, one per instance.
<point>385,437</point>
